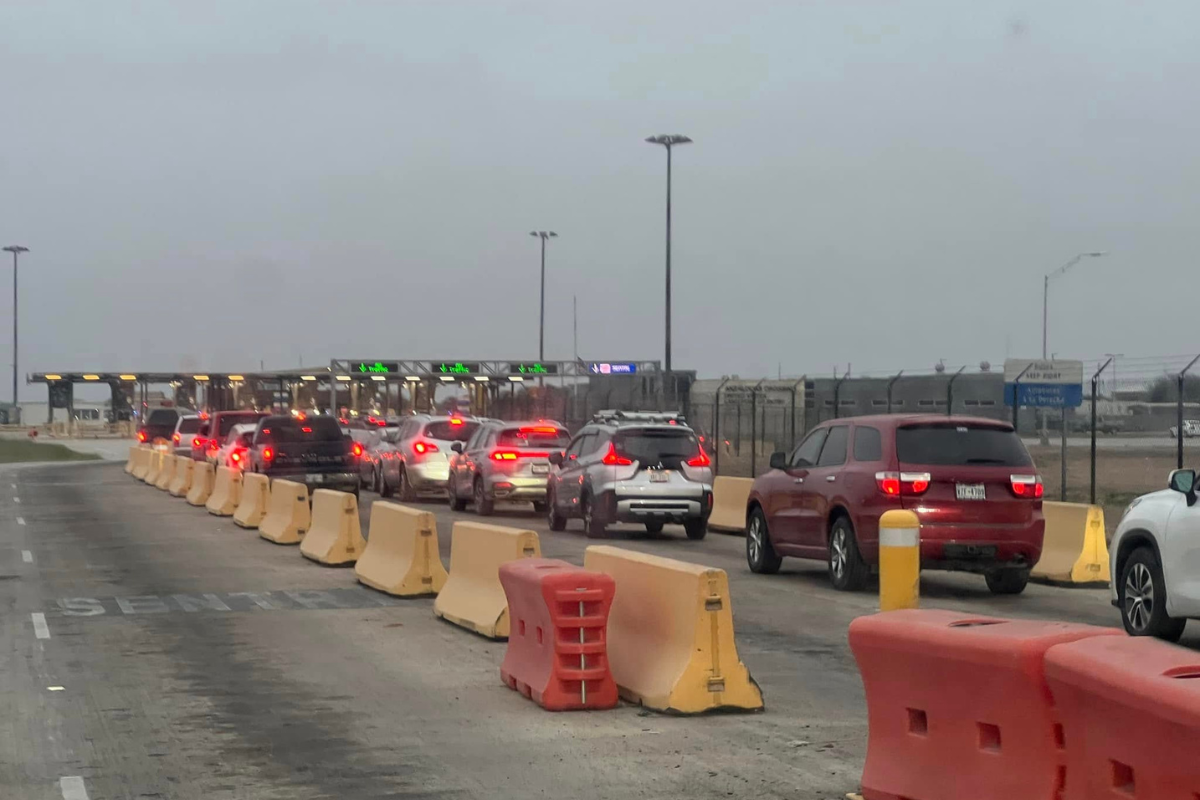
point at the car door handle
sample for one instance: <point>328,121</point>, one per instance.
<point>830,478</point>
<point>798,480</point>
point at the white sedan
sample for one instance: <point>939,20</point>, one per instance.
<point>1155,557</point>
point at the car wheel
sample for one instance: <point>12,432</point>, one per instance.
<point>405,490</point>
<point>385,488</point>
<point>376,482</point>
<point>1007,581</point>
<point>760,553</point>
<point>593,519</point>
<point>483,506</point>
<point>696,529</point>
<point>847,570</point>
<point>456,502</point>
<point>539,506</point>
<point>553,519</point>
<point>1142,596</point>
<point>654,527</point>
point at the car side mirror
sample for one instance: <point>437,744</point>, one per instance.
<point>778,460</point>
<point>556,458</point>
<point>1184,482</point>
<point>457,447</point>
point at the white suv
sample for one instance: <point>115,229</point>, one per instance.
<point>1156,560</point>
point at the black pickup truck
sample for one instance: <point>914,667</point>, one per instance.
<point>309,450</point>
<point>159,423</point>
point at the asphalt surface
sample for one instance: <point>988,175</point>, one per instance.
<point>186,658</point>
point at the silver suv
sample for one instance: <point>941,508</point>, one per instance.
<point>642,467</point>
<point>422,454</point>
<point>504,461</point>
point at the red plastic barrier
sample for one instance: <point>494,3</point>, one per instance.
<point>557,646</point>
<point>1130,711</point>
<point>958,707</point>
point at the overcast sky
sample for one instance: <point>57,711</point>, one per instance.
<point>208,184</point>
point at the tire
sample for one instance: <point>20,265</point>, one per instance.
<point>376,483</point>
<point>456,502</point>
<point>760,553</point>
<point>405,490</point>
<point>385,489</point>
<point>553,520</point>
<point>1142,596</point>
<point>847,570</point>
<point>696,529</point>
<point>483,505</point>
<point>593,522</point>
<point>1007,581</point>
<point>654,527</point>
<point>539,506</point>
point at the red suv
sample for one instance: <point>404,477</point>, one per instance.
<point>970,481</point>
<point>216,430</point>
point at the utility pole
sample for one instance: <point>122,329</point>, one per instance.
<point>668,140</point>
<point>543,235</point>
<point>1045,438</point>
<point>16,250</point>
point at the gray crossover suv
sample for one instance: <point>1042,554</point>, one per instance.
<point>642,467</point>
<point>504,462</point>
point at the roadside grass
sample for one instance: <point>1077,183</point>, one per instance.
<point>17,450</point>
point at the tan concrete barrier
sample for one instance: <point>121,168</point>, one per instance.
<point>402,552</point>
<point>183,476</point>
<point>156,464</point>
<point>132,462</point>
<point>202,484</point>
<point>226,492</point>
<point>670,634</point>
<point>473,597</point>
<point>335,537</point>
<point>1074,549</point>
<point>729,504</point>
<point>167,473</point>
<point>287,518</point>
<point>141,463</point>
<point>256,495</point>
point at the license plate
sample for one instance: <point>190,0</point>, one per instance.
<point>316,478</point>
<point>541,469</point>
<point>659,475</point>
<point>969,491</point>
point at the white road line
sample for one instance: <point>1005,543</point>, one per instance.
<point>40,628</point>
<point>20,520</point>
<point>27,556</point>
<point>16,500</point>
<point>73,788</point>
<point>14,486</point>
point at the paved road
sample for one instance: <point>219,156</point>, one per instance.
<point>197,661</point>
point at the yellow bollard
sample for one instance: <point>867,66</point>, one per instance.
<point>899,560</point>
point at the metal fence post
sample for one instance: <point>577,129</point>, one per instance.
<point>1017,397</point>
<point>950,391</point>
<point>716,431</point>
<point>754,428</point>
<point>837,392</point>
<point>892,383</point>
<point>1179,413</point>
<point>1095,381</point>
<point>1062,486</point>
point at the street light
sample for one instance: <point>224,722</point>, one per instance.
<point>1046,289</point>
<point>543,235</point>
<point>668,140</point>
<point>16,250</point>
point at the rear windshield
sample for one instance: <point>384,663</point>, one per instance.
<point>553,438</point>
<point>451,432</point>
<point>654,446</point>
<point>316,429</point>
<point>189,424</point>
<point>227,421</point>
<point>960,445</point>
<point>163,416</point>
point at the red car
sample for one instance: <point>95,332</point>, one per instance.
<point>214,433</point>
<point>970,481</point>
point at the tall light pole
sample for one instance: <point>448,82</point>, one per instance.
<point>16,251</point>
<point>668,140</point>
<point>543,235</point>
<point>1045,438</point>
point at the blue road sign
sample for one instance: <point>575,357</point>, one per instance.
<point>612,368</point>
<point>1045,395</point>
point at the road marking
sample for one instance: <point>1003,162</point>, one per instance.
<point>14,486</point>
<point>16,500</point>
<point>73,788</point>
<point>27,556</point>
<point>40,628</point>
<point>56,688</point>
<point>20,520</point>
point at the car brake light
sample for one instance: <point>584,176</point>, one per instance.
<point>504,455</point>
<point>141,436</point>
<point>357,449</point>
<point>895,484</point>
<point>700,460</point>
<point>175,438</point>
<point>235,457</point>
<point>540,429</point>
<point>613,460</point>
<point>1027,486</point>
<point>268,454</point>
<point>306,430</point>
<point>197,442</point>
<point>421,448</point>
<point>455,421</point>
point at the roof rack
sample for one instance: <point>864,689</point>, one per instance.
<point>616,417</point>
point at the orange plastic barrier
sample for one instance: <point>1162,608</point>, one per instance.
<point>558,643</point>
<point>1130,712</point>
<point>958,707</point>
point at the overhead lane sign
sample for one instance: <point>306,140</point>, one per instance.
<point>1043,384</point>
<point>377,367</point>
<point>612,368</point>
<point>532,368</point>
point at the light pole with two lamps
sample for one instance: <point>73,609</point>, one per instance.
<point>668,140</point>
<point>16,250</point>
<point>1045,438</point>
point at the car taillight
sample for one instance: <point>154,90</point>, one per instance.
<point>268,454</point>
<point>357,449</point>
<point>1027,486</point>
<point>895,484</point>
<point>504,455</point>
<point>421,448</point>
<point>141,436</point>
<point>197,442</point>
<point>455,421</point>
<point>700,460</point>
<point>175,438</point>
<point>612,459</point>
<point>236,458</point>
